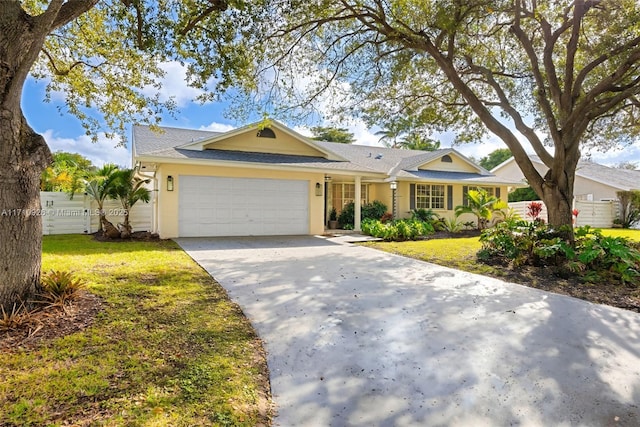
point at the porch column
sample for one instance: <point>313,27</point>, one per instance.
<point>357,202</point>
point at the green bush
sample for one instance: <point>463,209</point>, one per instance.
<point>373,210</point>
<point>397,230</point>
<point>593,257</point>
<point>425,215</point>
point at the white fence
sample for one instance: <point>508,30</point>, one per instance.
<point>62,215</point>
<point>595,214</point>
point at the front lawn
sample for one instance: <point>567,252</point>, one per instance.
<point>167,349</point>
<point>460,253</point>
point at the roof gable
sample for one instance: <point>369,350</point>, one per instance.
<point>444,160</point>
<point>451,162</point>
<point>257,138</point>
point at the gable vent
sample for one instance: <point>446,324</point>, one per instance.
<point>446,159</point>
<point>266,133</point>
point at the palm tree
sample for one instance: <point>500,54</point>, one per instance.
<point>481,204</point>
<point>414,140</point>
<point>129,189</point>
<point>390,134</point>
<point>99,187</point>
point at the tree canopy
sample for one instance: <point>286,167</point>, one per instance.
<point>108,57</point>
<point>332,134</point>
<point>555,75</point>
<point>66,173</point>
<point>494,158</point>
<point>105,59</point>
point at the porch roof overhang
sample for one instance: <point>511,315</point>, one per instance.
<point>464,178</point>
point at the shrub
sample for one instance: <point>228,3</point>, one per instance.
<point>630,207</point>
<point>397,230</point>
<point>373,210</point>
<point>346,216</point>
<point>594,256</point>
<point>425,215</point>
<point>388,216</point>
<point>60,287</point>
<point>452,225</point>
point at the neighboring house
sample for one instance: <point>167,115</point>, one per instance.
<point>594,182</point>
<point>274,181</point>
<point>594,189</point>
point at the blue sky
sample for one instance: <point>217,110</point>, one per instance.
<point>64,132</point>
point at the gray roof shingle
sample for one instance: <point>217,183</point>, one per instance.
<point>148,141</point>
<point>360,158</point>
<point>623,179</point>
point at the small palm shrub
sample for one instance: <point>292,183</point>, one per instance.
<point>425,215</point>
<point>452,225</point>
<point>397,230</point>
<point>59,287</point>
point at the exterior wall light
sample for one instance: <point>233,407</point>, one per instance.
<point>394,199</point>
<point>169,183</point>
<point>318,189</point>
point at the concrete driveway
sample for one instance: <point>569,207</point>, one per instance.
<point>358,337</point>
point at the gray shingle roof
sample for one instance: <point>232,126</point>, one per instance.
<point>263,158</point>
<point>360,158</point>
<point>147,141</point>
<point>622,179</point>
<point>471,178</point>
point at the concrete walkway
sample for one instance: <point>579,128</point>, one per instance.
<point>358,337</point>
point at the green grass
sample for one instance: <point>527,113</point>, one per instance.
<point>169,348</point>
<point>460,253</point>
<point>622,232</point>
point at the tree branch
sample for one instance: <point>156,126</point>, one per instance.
<point>216,6</point>
<point>70,11</point>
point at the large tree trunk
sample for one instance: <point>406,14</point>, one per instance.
<point>23,157</point>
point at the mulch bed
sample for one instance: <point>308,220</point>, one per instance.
<point>51,322</point>
<point>548,278</point>
<point>141,236</point>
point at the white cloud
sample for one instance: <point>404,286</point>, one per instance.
<point>217,127</point>
<point>174,85</point>
<point>105,150</point>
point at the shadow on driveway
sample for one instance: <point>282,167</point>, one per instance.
<point>358,337</point>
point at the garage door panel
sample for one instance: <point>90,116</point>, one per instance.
<point>218,206</point>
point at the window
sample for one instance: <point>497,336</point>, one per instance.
<point>430,196</point>
<point>266,133</point>
<point>344,193</point>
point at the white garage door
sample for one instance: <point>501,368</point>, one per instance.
<point>216,206</point>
